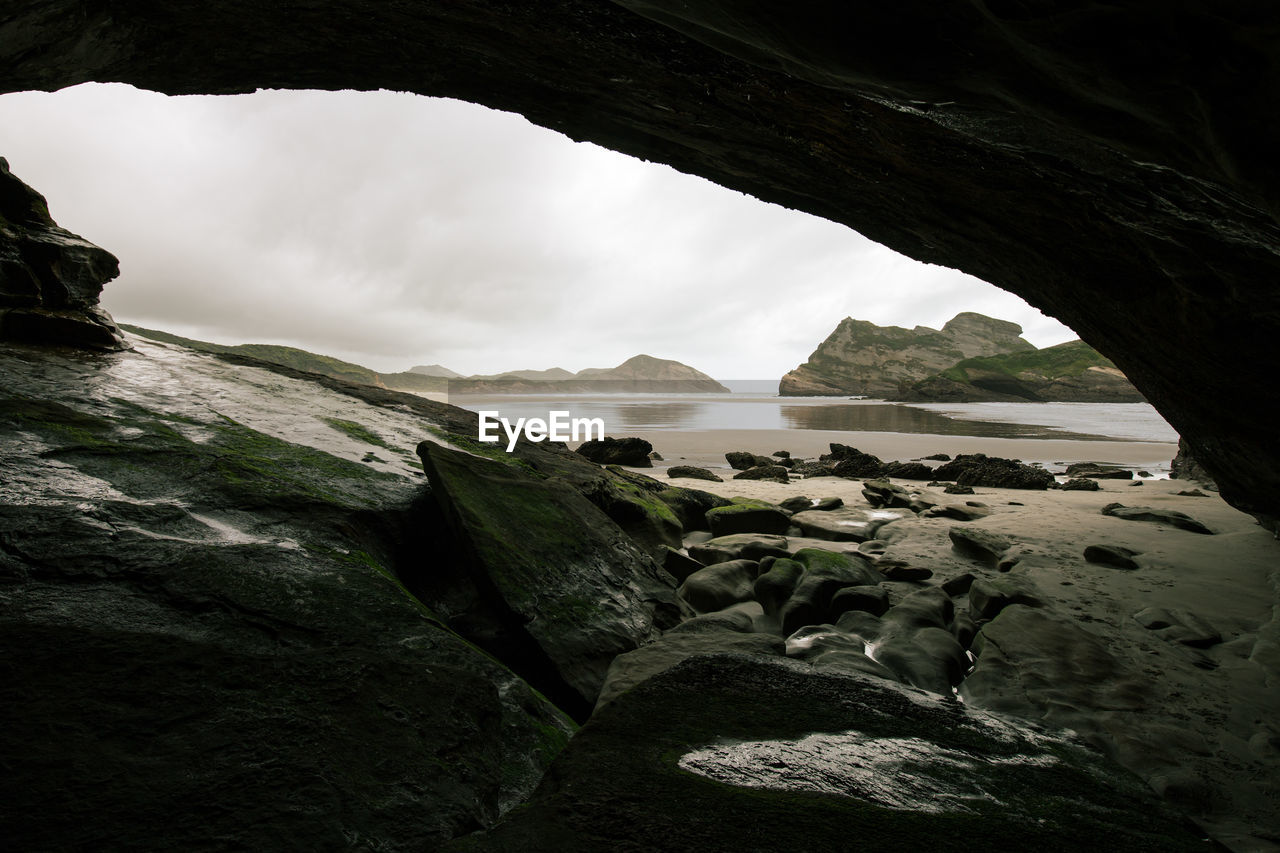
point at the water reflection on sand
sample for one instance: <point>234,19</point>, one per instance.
<point>633,412</point>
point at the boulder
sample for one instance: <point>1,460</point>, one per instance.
<point>632,501</point>
<point>777,473</point>
<point>869,599</point>
<point>741,460</point>
<point>739,546</point>
<point>959,585</point>
<point>982,545</point>
<point>777,580</point>
<point>1169,517</point>
<point>825,504</point>
<point>957,489</point>
<point>1112,555</point>
<point>957,512</point>
<point>978,469</point>
<point>747,517</point>
<point>898,570</point>
<point>691,505</point>
<point>825,574</point>
<point>679,565</point>
<point>633,668</point>
<point>813,468</point>
<point>881,494</point>
<point>784,454</point>
<point>693,472</point>
<point>720,585</point>
<point>799,503</point>
<point>906,470</point>
<point>930,659</point>
<point>838,525</point>
<point>856,466</point>
<point>1080,484</point>
<point>618,451</point>
<point>1099,471</point>
<point>550,557</point>
<point>989,596</point>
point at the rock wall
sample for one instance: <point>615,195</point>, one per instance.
<point>49,278</point>
<point>1112,164</point>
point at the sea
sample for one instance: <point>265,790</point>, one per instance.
<point>755,405</point>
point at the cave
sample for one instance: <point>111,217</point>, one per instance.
<point>1111,165</point>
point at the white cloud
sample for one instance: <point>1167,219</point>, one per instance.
<point>392,230</point>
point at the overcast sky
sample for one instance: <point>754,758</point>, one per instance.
<point>394,230</point>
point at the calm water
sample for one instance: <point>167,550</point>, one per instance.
<point>755,409</point>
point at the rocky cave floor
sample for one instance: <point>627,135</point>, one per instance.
<point>240,611</point>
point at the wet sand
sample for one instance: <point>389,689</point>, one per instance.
<point>1198,724</point>
<point>706,448</point>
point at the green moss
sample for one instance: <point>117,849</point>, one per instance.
<point>359,432</point>
<point>746,503</point>
<point>1070,359</point>
<point>480,448</point>
<point>647,500</point>
<point>298,359</point>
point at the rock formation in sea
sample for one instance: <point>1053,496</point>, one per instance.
<point>1073,372</point>
<point>862,359</point>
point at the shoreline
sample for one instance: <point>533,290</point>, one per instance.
<point>706,448</point>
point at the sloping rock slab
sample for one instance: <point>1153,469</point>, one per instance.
<point>569,578</point>
<point>730,753</point>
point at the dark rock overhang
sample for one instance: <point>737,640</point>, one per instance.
<point>1113,165</point>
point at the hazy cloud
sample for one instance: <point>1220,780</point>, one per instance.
<point>393,230</point>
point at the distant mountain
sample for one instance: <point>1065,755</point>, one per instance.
<point>434,370</point>
<point>1072,372</point>
<point>300,359</point>
<point>862,359</point>
<point>641,374</point>
<point>551,373</point>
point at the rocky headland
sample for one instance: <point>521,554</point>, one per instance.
<point>973,358</point>
<point>862,359</point>
<point>1073,372</point>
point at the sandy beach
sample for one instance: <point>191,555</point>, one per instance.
<point>1198,724</point>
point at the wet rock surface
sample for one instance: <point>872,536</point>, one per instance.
<point>200,618</point>
<point>731,753</point>
<point>572,590</point>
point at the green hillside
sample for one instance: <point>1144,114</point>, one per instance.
<point>1070,359</point>
<point>298,359</point>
